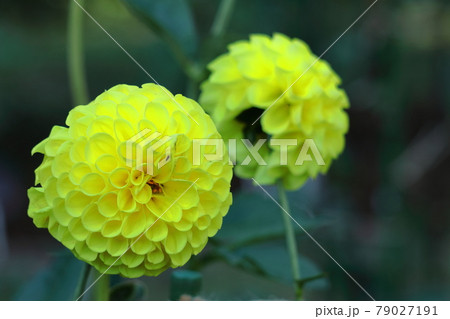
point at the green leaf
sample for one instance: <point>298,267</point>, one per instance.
<point>57,281</point>
<point>170,19</point>
<point>273,259</point>
<point>254,218</point>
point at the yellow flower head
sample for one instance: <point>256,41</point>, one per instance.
<point>122,175</point>
<point>250,79</point>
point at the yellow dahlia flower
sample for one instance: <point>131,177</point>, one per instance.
<point>98,199</point>
<point>249,80</point>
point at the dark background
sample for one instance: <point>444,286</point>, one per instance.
<point>383,210</point>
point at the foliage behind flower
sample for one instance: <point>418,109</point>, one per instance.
<point>250,78</point>
<point>97,205</point>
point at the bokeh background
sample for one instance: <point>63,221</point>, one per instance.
<point>383,211</point>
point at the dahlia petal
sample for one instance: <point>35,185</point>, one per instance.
<point>175,241</point>
<point>39,148</point>
<point>164,173</point>
<point>183,225</point>
<point>78,171</point>
<point>107,204</point>
<point>111,96</point>
<point>99,144</point>
<point>132,260</point>
<point>123,130</point>
<point>67,240</point>
<point>51,192</point>
<point>280,41</point>
<point>101,124</point>
<point>182,165</point>
<point>96,242</point>
<point>199,248</point>
<point>145,124</point>
<point>136,177</point>
<point>155,257</point>
<point>44,171</point>
<point>157,232</point>
<point>142,246</point>
<point>57,137</point>
<point>105,108</point>
<point>76,202</point>
<point>112,228</point>
<point>182,144</point>
<point>77,230</point>
<point>165,209</point>
<point>183,192</point>
<point>181,258</point>
<point>92,220</point>
<point>202,179</point>
<point>129,272</point>
<point>128,113</point>
<point>198,237</point>
<point>83,250</point>
<point>215,225</point>
<point>137,101</point>
<point>60,213</point>
<point>37,199</point>
<point>106,163</point>
<point>119,177</point>
<point>276,119</point>
<point>116,246</point>
<point>79,128</point>
<point>191,215</point>
<point>92,184</point>
<point>221,188</point>
<point>253,67</point>
<point>263,94</point>
<point>109,260</point>
<point>210,203</point>
<point>77,152</point>
<point>158,115</point>
<point>226,75</point>
<point>203,222</point>
<point>226,205</point>
<point>125,201</point>
<point>41,217</point>
<point>134,224</point>
<point>62,163</point>
<point>143,195</point>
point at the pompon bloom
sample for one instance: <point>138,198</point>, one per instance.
<point>250,78</point>
<point>98,205</point>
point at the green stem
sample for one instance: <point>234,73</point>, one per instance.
<point>102,288</point>
<point>81,287</point>
<point>291,242</point>
<point>75,57</point>
<point>222,17</point>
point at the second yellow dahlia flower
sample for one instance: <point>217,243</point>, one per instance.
<point>99,198</point>
<point>249,80</point>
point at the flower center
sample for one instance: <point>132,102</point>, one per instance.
<point>156,188</point>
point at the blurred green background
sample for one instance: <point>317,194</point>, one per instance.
<point>383,211</point>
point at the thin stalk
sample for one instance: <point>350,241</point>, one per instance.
<point>222,17</point>
<point>75,57</point>
<point>101,291</point>
<point>291,242</point>
<point>81,287</point>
